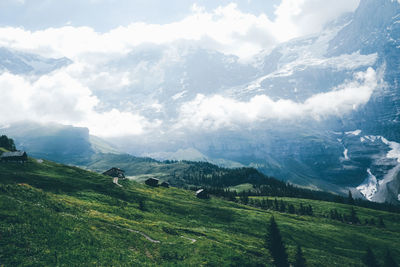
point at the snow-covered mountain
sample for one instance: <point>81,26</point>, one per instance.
<point>340,150</point>
<point>24,63</point>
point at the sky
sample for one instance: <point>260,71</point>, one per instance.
<point>94,33</point>
<point>104,15</point>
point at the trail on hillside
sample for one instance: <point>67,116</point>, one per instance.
<point>138,232</point>
<point>192,240</point>
<point>115,181</point>
<point>144,235</point>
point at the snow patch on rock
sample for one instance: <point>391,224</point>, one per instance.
<point>346,157</point>
<point>356,132</point>
<point>394,153</point>
<point>369,187</point>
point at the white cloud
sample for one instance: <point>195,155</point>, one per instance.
<point>218,111</point>
<point>226,29</point>
<point>116,123</point>
<point>58,97</point>
<point>296,18</point>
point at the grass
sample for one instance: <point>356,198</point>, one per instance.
<point>241,187</point>
<point>57,215</point>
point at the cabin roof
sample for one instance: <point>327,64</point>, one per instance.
<point>13,154</point>
<point>199,191</point>
<point>115,169</point>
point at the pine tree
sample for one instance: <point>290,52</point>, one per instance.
<point>350,198</point>
<point>301,209</point>
<point>275,245</point>
<point>276,204</point>
<point>7,143</point>
<point>389,261</point>
<point>353,216</point>
<point>244,198</point>
<point>310,210</point>
<point>381,223</point>
<point>300,261</point>
<point>369,259</point>
<point>282,207</point>
<point>292,209</point>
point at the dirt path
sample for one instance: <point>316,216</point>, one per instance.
<point>144,235</point>
<point>188,238</point>
<point>115,181</point>
<point>138,232</point>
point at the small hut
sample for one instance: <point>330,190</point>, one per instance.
<point>201,193</point>
<point>152,182</point>
<point>165,184</point>
<point>115,172</point>
<point>15,156</point>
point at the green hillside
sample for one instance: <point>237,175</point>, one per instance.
<point>56,215</point>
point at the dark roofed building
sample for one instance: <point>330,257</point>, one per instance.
<point>152,182</point>
<point>201,193</point>
<point>115,172</point>
<point>165,184</point>
<point>20,156</point>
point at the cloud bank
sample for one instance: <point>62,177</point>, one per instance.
<point>214,112</point>
<point>60,98</point>
<point>226,29</point>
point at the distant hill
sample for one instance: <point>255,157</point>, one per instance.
<point>57,142</point>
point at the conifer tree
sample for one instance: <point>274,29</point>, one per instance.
<point>381,223</point>
<point>350,198</point>
<point>291,209</point>
<point>301,209</point>
<point>310,210</point>
<point>282,207</point>
<point>389,261</point>
<point>7,143</point>
<point>300,261</point>
<point>276,204</point>
<point>275,245</point>
<point>353,216</point>
<point>369,259</point>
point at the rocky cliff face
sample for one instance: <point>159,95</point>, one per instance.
<point>357,150</point>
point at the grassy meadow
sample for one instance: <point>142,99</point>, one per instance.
<point>57,215</point>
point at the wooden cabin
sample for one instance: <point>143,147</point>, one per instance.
<point>115,172</point>
<point>165,184</point>
<point>15,156</point>
<point>201,193</point>
<point>152,182</point>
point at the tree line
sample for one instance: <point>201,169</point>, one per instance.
<point>7,143</point>
<point>217,180</point>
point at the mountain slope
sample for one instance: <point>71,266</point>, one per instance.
<point>53,214</point>
<point>24,63</point>
<point>325,85</point>
<point>311,151</point>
